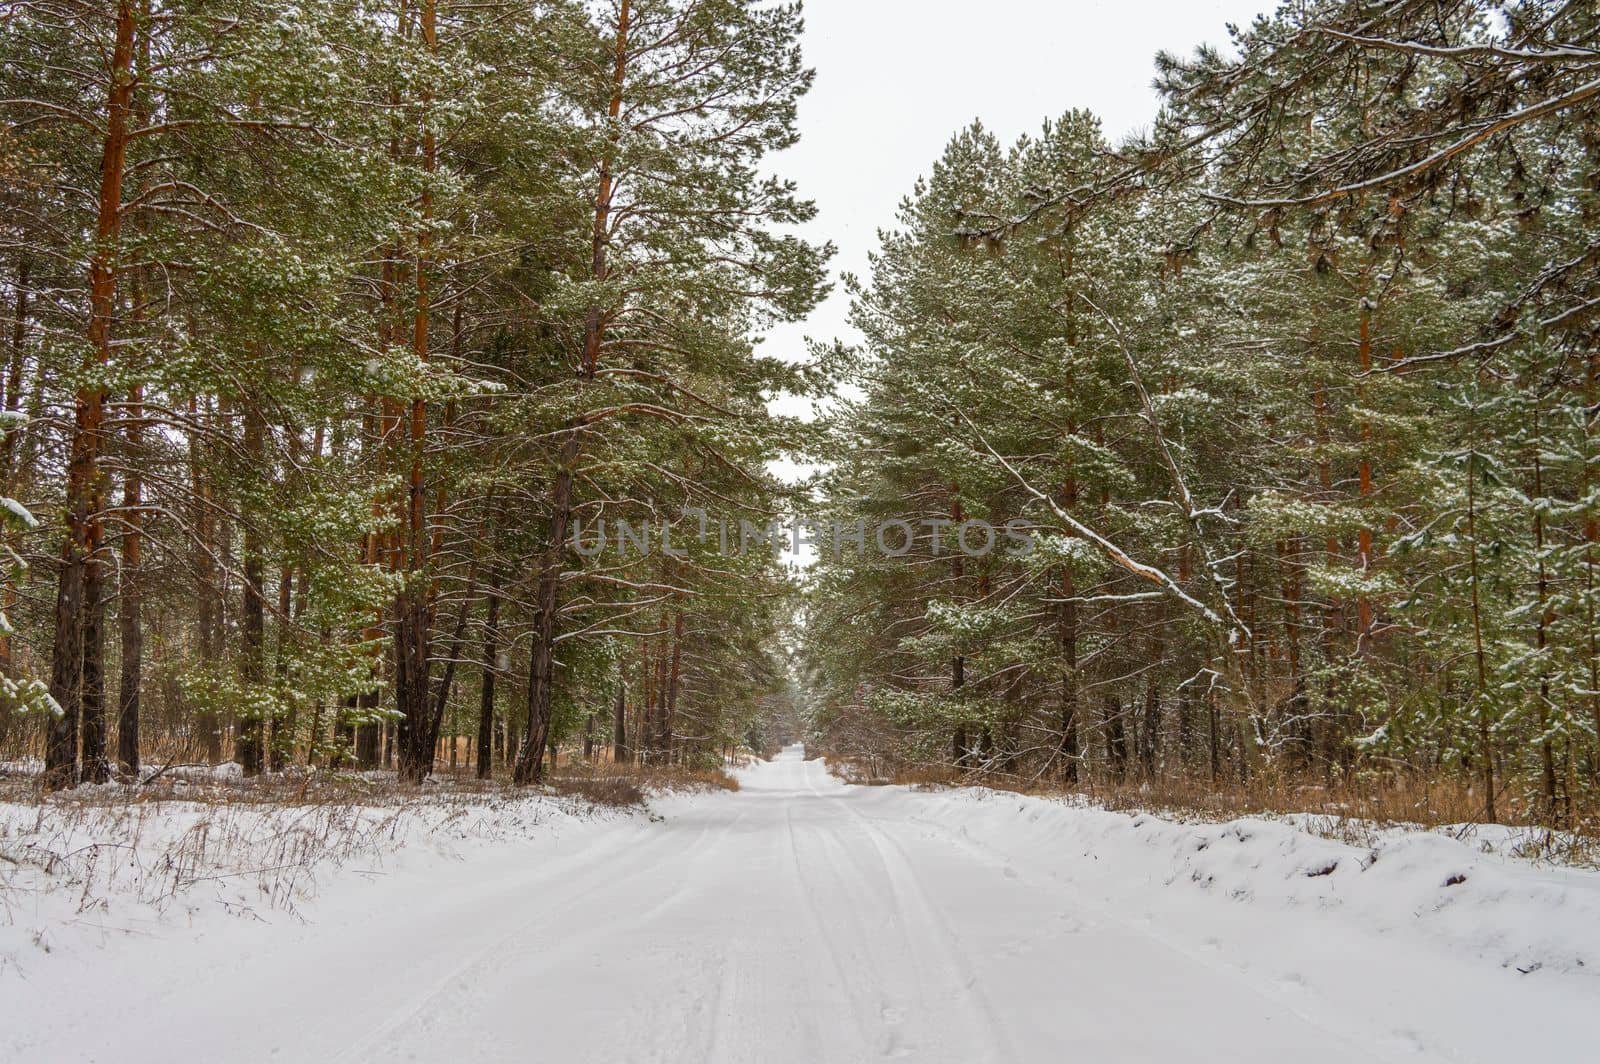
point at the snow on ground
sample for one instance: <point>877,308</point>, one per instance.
<point>1463,892</point>
<point>796,920</point>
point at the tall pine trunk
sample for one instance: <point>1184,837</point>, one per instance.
<point>130,619</point>
<point>1068,747</point>
<point>1591,545</point>
<point>530,758</point>
<point>208,589</point>
<point>8,449</point>
<point>250,739</point>
<point>417,729</point>
<point>491,651</point>
<point>1479,655</point>
<point>619,727</point>
<point>76,655</point>
<point>669,717</point>
<point>1547,759</point>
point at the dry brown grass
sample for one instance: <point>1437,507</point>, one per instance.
<point>1352,808</point>
<point>643,780</point>
<point>262,841</point>
<point>601,783</point>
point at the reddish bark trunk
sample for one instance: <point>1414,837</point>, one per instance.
<point>75,659</point>
<point>529,767</point>
<point>418,727</point>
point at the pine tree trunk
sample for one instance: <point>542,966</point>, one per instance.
<point>250,740</point>
<point>1116,739</point>
<point>1185,713</point>
<point>1068,747</point>
<point>446,684</point>
<point>130,620</point>
<point>15,370</point>
<point>208,588</point>
<point>1591,548</point>
<point>1291,590</point>
<point>491,650</point>
<point>96,767</point>
<point>369,737</point>
<point>646,700</point>
<point>1547,761</point>
<point>416,729</point>
<point>8,449</point>
<point>1485,733</point>
<point>530,757</point>
<point>1213,736</point>
<point>669,718</point>
<point>1150,730</point>
<point>960,752</point>
<point>541,657</point>
<point>619,727</point>
<point>659,713</point>
<point>1364,481</point>
<point>76,636</point>
<point>280,749</point>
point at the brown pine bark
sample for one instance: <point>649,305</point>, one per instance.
<point>208,590</point>
<point>1591,552</point>
<point>1547,759</point>
<point>960,751</point>
<point>1116,729</point>
<point>446,684</point>
<point>546,604</point>
<point>1150,726</point>
<point>491,651</point>
<point>646,700</point>
<point>669,717</point>
<point>1485,734</point>
<point>250,740</point>
<point>130,619</point>
<point>416,730</point>
<point>96,766</point>
<point>619,727</point>
<point>1069,750</point>
<point>75,657</point>
<point>1213,735</point>
<point>1364,475</point>
<point>659,716</point>
<point>8,447</point>
<point>281,743</point>
<point>16,367</point>
<point>1290,574</point>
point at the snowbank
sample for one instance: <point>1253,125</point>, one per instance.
<point>75,875</point>
<point>1434,890</point>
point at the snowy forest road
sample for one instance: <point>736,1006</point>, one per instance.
<point>808,921</point>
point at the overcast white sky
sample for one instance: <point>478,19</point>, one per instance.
<point>897,78</point>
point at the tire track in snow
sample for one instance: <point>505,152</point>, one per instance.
<point>911,896</point>
<point>575,890</point>
<point>819,926</point>
<point>1146,931</point>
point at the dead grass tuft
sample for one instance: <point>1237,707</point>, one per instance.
<point>606,790</point>
<point>1355,813</point>
<point>647,779</point>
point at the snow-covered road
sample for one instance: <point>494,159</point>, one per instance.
<point>802,920</point>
